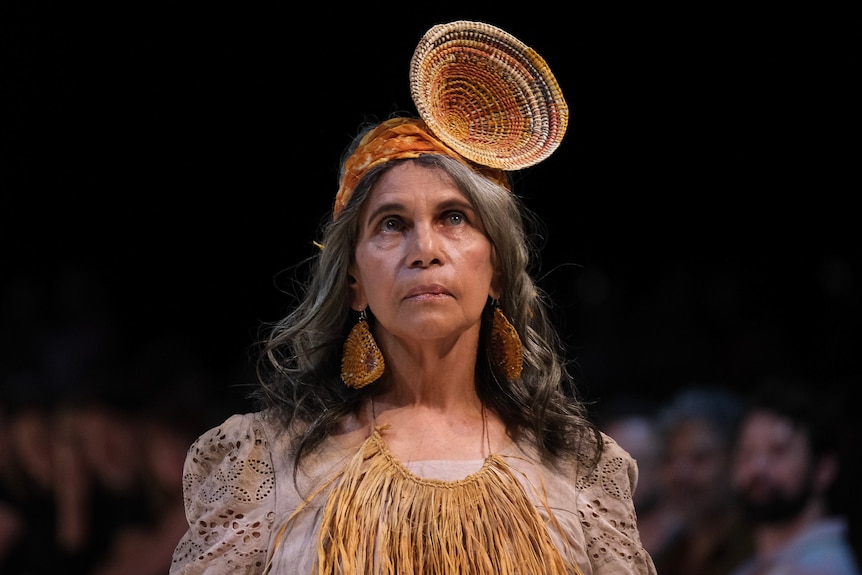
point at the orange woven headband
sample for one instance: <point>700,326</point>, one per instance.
<point>395,139</point>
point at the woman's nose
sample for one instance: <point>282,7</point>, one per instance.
<point>424,246</point>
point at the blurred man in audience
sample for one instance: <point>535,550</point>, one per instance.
<point>699,425</point>
<point>786,466</point>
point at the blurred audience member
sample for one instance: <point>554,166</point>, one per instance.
<point>632,421</point>
<point>96,417</point>
<point>12,521</point>
<point>30,479</point>
<point>175,407</point>
<point>699,426</point>
<point>786,466</point>
<point>104,440</point>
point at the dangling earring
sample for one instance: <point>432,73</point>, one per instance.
<point>361,360</point>
<point>507,352</point>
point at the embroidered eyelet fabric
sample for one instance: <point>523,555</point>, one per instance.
<point>235,507</point>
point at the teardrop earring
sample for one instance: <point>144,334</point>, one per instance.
<point>361,359</point>
<point>507,352</point>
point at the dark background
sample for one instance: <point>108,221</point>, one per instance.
<point>173,158</point>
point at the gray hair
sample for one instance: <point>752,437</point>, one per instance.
<point>300,357</point>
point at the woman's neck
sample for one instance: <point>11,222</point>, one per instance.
<point>418,431</point>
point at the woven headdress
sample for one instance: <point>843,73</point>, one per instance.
<point>484,98</point>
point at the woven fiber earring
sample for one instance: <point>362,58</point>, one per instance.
<point>507,352</point>
<point>361,360</point>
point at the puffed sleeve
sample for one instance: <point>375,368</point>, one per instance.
<point>229,495</point>
<point>608,516</point>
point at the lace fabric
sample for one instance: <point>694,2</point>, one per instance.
<point>235,507</point>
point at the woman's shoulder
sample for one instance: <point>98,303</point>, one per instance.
<point>607,482</point>
<point>228,474</point>
<point>605,467</point>
<point>239,448</point>
<point>615,467</point>
<point>255,428</point>
<point>592,497</point>
<point>606,497</point>
<point>613,450</point>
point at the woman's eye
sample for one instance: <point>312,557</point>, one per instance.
<point>456,218</point>
<point>391,224</point>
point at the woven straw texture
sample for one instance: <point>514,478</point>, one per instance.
<point>487,95</point>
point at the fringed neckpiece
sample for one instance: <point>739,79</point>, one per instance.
<point>381,519</point>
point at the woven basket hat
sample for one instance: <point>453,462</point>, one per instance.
<point>487,95</point>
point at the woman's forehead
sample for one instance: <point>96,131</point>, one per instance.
<point>409,183</point>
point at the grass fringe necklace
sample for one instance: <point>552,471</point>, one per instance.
<point>381,519</point>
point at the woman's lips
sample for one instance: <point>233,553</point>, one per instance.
<point>427,291</point>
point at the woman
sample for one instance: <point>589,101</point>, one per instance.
<point>416,411</point>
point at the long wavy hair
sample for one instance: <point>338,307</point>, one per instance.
<point>299,361</point>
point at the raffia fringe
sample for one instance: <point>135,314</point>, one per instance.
<point>380,519</point>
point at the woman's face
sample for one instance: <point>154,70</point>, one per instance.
<point>423,265</point>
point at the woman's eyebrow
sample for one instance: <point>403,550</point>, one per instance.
<point>386,207</point>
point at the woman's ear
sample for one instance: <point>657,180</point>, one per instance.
<point>357,295</point>
<point>494,291</point>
